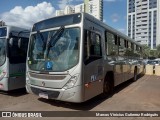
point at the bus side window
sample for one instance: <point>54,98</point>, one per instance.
<point>129,45</point>
<point>92,47</point>
<point>86,52</point>
<point>137,51</point>
<point>129,51</point>
<point>112,48</point>
<point>96,46</point>
<point>126,43</point>
<point>122,49</point>
<point>18,50</point>
<point>132,47</point>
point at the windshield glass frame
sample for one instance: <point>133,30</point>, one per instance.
<point>29,54</point>
<point>5,50</point>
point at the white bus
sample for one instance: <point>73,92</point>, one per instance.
<point>13,52</point>
<point>77,57</point>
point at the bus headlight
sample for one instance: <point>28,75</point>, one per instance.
<point>2,74</point>
<point>72,81</point>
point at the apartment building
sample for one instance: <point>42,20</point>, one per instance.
<point>143,21</point>
<point>93,7</point>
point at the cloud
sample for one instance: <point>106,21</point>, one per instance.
<point>25,17</point>
<point>115,17</point>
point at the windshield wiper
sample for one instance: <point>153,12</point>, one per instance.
<point>52,40</point>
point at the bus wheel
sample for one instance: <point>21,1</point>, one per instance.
<point>135,75</point>
<point>107,87</point>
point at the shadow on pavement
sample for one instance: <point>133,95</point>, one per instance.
<point>15,93</point>
<point>90,104</point>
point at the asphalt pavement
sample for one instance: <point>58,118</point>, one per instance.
<point>142,95</point>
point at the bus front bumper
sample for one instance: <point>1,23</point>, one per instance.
<point>4,84</point>
<point>74,94</point>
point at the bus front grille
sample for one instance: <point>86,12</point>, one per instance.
<point>47,77</point>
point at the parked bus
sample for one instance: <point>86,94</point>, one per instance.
<point>77,57</point>
<point>13,52</point>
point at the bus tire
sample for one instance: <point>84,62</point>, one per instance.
<point>107,86</point>
<point>135,75</point>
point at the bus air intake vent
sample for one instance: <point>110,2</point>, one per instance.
<point>46,77</point>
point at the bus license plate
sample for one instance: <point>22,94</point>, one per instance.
<point>43,95</point>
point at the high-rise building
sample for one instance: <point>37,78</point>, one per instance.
<point>67,10</point>
<point>93,7</point>
<point>2,23</point>
<point>59,12</point>
<point>143,21</point>
<point>79,8</point>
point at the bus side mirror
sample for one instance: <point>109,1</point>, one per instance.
<point>11,41</point>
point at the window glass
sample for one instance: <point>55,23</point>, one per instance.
<point>96,46</point>
<point>129,45</point>
<point>122,47</point>
<point>3,32</point>
<point>111,44</point>
<point>18,50</point>
<point>92,47</point>
<point>2,51</point>
<point>47,52</point>
<point>137,51</point>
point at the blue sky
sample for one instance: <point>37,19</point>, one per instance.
<point>31,11</point>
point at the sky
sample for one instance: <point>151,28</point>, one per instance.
<point>24,13</point>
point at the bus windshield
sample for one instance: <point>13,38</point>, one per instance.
<point>2,51</point>
<point>62,51</point>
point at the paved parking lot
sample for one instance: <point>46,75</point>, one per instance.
<point>142,95</point>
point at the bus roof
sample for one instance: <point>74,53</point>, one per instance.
<point>58,21</point>
<point>72,19</point>
<point>16,30</point>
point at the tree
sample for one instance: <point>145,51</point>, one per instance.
<point>152,54</point>
<point>158,51</point>
<point>146,51</point>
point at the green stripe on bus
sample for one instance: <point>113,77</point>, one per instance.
<point>16,74</point>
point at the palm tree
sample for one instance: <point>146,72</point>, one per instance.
<point>146,51</point>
